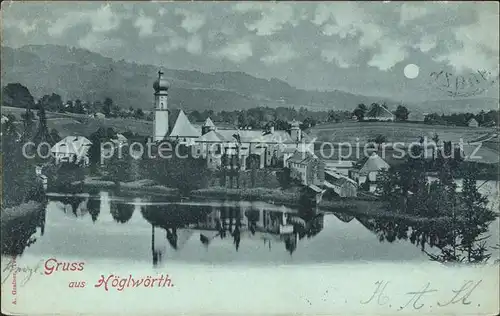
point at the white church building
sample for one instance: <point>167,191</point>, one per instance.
<point>211,143</point>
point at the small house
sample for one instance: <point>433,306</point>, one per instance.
<point>340,184</point>
<point>368,169</point>
<point>72,149</point>
<point>473,123</point>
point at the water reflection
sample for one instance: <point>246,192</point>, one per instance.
<point>176,223</point>
<point>104,224</point>
<point>122,213</point>
<point>437,239</point>
<point>21,232</point>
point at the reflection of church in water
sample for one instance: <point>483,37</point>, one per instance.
<point>174,224</point>
<point>232,223</point>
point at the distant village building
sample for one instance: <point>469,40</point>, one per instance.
<point>368,169</point>
<point>340,184</point>
<point>473,123</point>
<point>385,115</point>
<point>72,149</point>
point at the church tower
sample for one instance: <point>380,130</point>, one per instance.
<point>295,131</point>
<point>161,108</point>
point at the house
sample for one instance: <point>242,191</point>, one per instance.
<point>72,148</point>
<point>340,184</point>
<point>307,168</point>
<point>473,123</point>
<point>383,114</point>
<point>368,169</point>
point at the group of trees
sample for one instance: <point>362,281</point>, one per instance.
<point>405,188</point>
<point>263,117</point>
<point>18,171</point>
<point>489,118</point>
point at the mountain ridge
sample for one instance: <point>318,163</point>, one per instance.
<point>77,73</point>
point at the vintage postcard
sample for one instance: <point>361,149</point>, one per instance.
<point>250,158</point>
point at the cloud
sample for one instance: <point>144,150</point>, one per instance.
<point>411,11</point>
<point>145,25</point>
<point>236,51</point>
<point>347,19</point>
<point>273,16</point>
<point>479,43</point>
<point>193,45</point>
<point>333,55</point>
<point>22,25</point>
<point>191,21</point>
<point>102,19</point>
<point>280,53</point>
<point>426,43</point>
<point>390,53</point>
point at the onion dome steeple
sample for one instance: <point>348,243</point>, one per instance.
<point>161,84</point>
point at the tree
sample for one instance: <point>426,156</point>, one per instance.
<point>475,218</point>
<point>28,118</point>
<point>17,95</point>
<point>42,134</point>
<point>307,123</point>
<point>106,108</point>
<point>281,125</point>
<point>18,171</point>
<point>435,139</point>
<point>195,116</point>
<point>78,108</point>
<point>379,139</point>
<point>401,113</point>
<point>52,103</point>
<point>54,134</point>
<point>139,114</point>
<point>360,112</point>
<point>243,121</point>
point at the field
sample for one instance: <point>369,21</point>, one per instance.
<point>80,124</point>
<point>393,131</point>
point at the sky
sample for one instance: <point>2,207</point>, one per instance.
<point>357,47</point>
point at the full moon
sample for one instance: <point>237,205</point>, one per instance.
<point>411,71</point>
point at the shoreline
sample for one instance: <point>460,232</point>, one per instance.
<point>290,198</point>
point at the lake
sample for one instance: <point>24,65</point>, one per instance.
<point>157,230</point>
